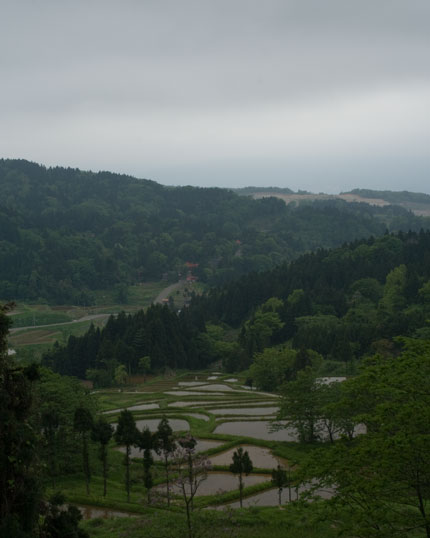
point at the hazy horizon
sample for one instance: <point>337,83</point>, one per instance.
<point>323,97</point>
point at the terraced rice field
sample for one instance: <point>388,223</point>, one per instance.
<point>220,398</point>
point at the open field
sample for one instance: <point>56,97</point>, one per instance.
<point>422,210</point>
<point>36,328</point>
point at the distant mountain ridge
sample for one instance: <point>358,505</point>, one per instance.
<point>418,203</point>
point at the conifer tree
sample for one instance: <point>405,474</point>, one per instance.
<point>126,434</point>
<point>241,465</point>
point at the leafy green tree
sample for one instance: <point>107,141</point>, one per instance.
<point>59,521</point>
<point>102,433</point>
<point>257,333</point>
<point>83,424</point>
<point>241,465</point>
<point>145,365</point>
<point>121,375</point>
<point>300,405</point>
<point>381,478</point>
<point>273,367</point>
<point>166,446</point>
<point>126,434</point>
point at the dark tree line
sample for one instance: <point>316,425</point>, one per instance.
<point>171,341</point>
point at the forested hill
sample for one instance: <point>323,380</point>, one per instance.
<point>65,233</point>
<point>342,303</point>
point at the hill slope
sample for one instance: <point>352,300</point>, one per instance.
<point>65,233</point>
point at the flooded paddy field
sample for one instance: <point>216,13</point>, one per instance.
<point>245,411</point>
<point>261,457</point>
<point>270,497</point>
<point>152,424</point>
<point>139,407</point>
<point>229,415</point>
<point>218,482</point>
<point>259,429</point>
<point>201,446</point>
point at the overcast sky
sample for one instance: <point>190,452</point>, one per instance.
<point>322,95</point>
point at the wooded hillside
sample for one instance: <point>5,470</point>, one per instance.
<point>65,233</point>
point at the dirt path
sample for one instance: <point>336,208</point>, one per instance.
<point>167,291</point>
<point>85,318</point>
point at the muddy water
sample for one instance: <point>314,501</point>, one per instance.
<point>245,411</point>
<point>152,424</point>
<point>260,457</point>
<point>191,383</point>
<point>231,380</point>
<point>139,407</point>
<point>217,387</point>
<point>221,482</point>
<point>192,404</point>
<point>201,446</point>
<point>270,497</point>
<point>186,393</point>
<point>91,512</point>
<point>257,429</point>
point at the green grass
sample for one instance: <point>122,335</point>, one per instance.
<point>291,522</point>
<point>41,339</point>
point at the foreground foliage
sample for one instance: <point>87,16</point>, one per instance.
<point>382,478</point>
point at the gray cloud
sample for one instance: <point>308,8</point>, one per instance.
<point>175,90</point>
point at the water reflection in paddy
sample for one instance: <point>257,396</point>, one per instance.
<point>217,387</point>
<point>270,497</point>
<point>175,423</point>
<point>184,393</point>
<point>201,446</point>
<point>193,404</point>
<point>260,457</point>
<point>220,482</point>
<point>191,383</point>
<point>245,411</point>
<point>139,407</point>
<point>258,429</point>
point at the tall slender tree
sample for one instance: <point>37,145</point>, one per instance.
<point>83,424</point>
<point>102,434</point>
<point>241,465</point>
<point>126,434</point>
<point>147,442</point>
<point>166,446</point>
<point>279,479</point>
